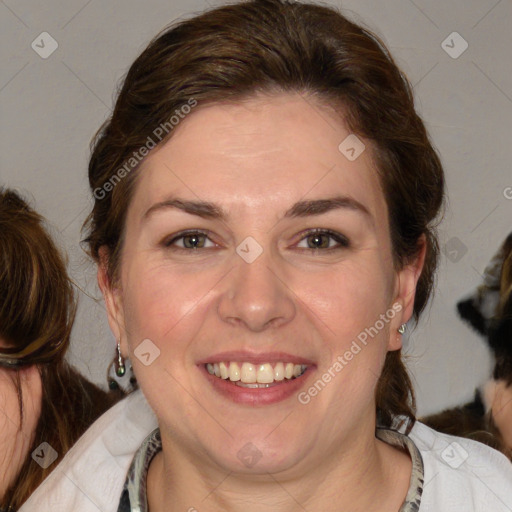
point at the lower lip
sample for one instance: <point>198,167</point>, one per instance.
<point>257,396</point>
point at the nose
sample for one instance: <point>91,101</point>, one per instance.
<point>257,295</point>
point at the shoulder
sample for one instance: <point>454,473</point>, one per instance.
<point>461,474</point>
<point>92,474</point>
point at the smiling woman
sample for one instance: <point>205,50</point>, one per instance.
<point>273,246</point>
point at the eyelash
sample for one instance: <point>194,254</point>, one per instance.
<point>343,242</point>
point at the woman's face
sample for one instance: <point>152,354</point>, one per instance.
<point>250,287</point>
<point>16,437</point>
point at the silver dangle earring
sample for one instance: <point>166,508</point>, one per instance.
<point>401,329</point>
<point>121,369</point>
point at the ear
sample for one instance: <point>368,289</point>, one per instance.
<point>405,290</point>
<point>113,300</point>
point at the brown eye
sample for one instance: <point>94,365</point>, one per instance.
<point>322,239</point>
<point>189,240</point>
<point>193,241</point>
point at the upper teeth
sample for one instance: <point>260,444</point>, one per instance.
<point>255,373</point>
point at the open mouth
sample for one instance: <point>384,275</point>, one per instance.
<point>250,375</point>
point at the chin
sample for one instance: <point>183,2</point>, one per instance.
<point>260,453</point>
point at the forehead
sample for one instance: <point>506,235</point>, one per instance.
<point>262,153</point>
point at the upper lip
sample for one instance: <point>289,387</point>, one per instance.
<point>255,357</point>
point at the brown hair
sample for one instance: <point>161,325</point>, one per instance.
<point>500,328</point>
<point>37,309</point>
<point>272,46</point>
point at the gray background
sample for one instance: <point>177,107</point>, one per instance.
<point>50,109</point>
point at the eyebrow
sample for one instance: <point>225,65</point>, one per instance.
<point>306,208</point>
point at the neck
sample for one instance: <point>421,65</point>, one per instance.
<point>365,474</point>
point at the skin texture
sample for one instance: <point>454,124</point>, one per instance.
<point>498,397</point>
<point>255,160</point>
<point>15,441</point>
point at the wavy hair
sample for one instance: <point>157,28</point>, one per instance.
<point>37,310</point>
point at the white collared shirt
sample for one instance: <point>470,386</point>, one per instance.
<point>460,475</point>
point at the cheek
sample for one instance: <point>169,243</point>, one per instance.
<point>31,391</point>
<point>169,307</point>
<point>9,405</point>
<point>32,397</point>
<point>354,306</point>
<point>159,297</point>
<point>348,300</point>
<point>346,297</point>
